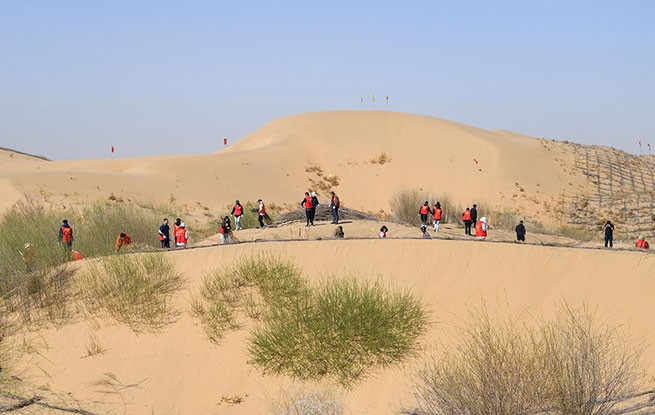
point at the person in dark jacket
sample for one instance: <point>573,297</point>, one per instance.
<point>609,234</point>
<point>165,234</point>
<point>314,205</point>
<point>474,214</point>
<point>520,232</point>
<point>335,204</point>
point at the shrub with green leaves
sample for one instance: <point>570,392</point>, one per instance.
<point>251,288</point>
<point>134,289</point>
<point>340,330</point>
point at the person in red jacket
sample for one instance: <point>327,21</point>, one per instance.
<point>642,243</point>
<point>466,218</point>
<point>237,212</point>
<point>436,216</point>
<point>122,240</point>
<point>181,236</point>
<point>481,228</point>
<point>308,204</point>
<point>424,211</point>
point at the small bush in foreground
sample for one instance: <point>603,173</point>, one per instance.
<point>341,330</point>
<point>566,366</point>
<point>134,289</point>
<point>320,402</point>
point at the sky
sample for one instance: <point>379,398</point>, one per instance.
<point>172,77</point>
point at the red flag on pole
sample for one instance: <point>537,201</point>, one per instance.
<point>225,141</point>
<point>112,149</point>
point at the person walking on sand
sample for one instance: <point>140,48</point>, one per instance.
<point>261,210</point>
<point>237,212</point>
<point>338,233</point>
<point>520,232</point>
<point>481,229</point>
<point>642,243</point>
<point>335,204</point>
<point>466,218</point>
<point>308,204</point>
<point>424,232</point>
<point>165,234</point>
<point>225,230</point>
<point>424,211</point>
<point>609,234</point>
<point>436,216</point>
<point>383,231</point>
<point>474,214</point>
<point>181,236</point>
<point>121,240</point>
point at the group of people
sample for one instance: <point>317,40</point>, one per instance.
<point>608,229</point>
<point>180,235</point>
<point>310,203</point>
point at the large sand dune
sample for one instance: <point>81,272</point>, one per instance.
<point>179,371</point>
<point>365,156</point>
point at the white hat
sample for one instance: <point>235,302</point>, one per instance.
<point>27,245</point>
<point>483,219</point>
<point>182,225</point>
<point>313,193</point>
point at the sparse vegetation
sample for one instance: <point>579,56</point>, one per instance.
<point>305,402</point>
<point>569,365</point>
<point>576,233</point>
<point>405,205</point>
<point>381,159</point>
<point>133,289</point>
<point>339,330</point>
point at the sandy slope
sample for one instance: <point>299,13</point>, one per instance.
<point>179,371</point>
<point>290,155</point>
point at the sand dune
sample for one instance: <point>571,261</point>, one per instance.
<point>341,150</point>
<point>365,156</point>
<point>179,371</point>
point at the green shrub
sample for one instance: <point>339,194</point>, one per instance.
<point>252,287</point>
<point>341,330</point>
<point>133,289</point>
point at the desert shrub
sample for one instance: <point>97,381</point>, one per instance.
<point>98,225</point>
<point>318,402</point>
<point>254,286</point>
<point>340,330</point>
<point>405,204</point>
<point>133,289</point>
<point>451,211</point>
<point>568,365</point>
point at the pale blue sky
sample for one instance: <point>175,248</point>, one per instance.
<point>172,77</point>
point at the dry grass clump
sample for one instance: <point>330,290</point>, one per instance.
<point>382,158</point>
<point>569,365</point>
<point>577,233</point>
<point>133,289</point>
<point>340,330</point>
<point>405,205</point>
<point>305,402</point>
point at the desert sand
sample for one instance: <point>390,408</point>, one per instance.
<point>370,155</point>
